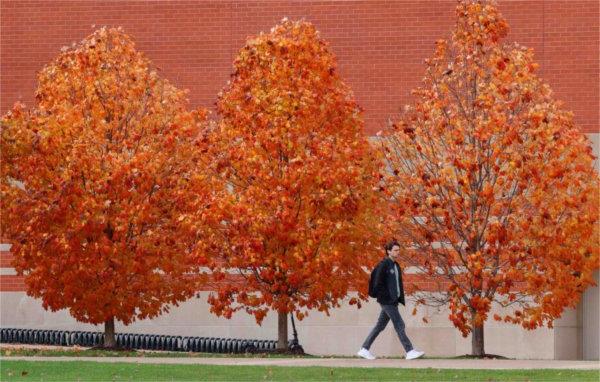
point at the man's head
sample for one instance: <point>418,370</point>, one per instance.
<point>392,250</point>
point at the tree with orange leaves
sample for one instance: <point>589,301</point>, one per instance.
<point>493,184</point>
<point>299,204</point>
<point>97,182</point>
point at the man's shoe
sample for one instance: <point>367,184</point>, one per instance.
<point>365,353</point>
<point>414,354</point>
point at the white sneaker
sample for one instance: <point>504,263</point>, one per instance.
<point>365,353</point>
<point>414,354</point>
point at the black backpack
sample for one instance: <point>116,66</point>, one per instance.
<point>372,281</point>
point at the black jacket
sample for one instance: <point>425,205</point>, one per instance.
<point>383,283</point>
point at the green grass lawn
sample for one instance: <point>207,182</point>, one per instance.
<point>95,371</point>
<point>25,352</point>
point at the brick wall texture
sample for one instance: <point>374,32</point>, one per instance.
<point>15,283</point>
<point>380,45</point>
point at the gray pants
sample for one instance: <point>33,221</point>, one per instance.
<point>387,312</point>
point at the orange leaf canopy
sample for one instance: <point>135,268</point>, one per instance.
<point>299,209</point>
<point>493,183</point>
<point>97,181</point>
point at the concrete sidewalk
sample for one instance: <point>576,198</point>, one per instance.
<point>338,362</point>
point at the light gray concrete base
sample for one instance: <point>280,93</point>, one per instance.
<point>341,333</point>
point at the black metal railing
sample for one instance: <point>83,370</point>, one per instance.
<point>136,341</point>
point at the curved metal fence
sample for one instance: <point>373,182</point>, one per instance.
<point>136,341</point>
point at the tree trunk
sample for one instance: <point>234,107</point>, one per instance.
<point>109,333</point>
<point>477,341</point>
<point>282,331</point>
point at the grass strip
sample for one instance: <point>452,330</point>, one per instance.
<point>100,371</point>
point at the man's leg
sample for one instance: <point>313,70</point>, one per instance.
<point>379,326</point>
<point>394,315</point>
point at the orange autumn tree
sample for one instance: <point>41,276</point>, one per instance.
<point>96,183</point>
<point>299,204</point>
<point>493,184</point>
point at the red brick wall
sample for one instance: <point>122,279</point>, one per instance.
<point>380,44</point>
<point>9,282</point>
<point>5,259</point>
<point>12,283</point>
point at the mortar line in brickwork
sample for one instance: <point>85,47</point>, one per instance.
<point>543,37</point>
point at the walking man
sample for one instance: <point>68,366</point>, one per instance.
<point>386,286</point>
